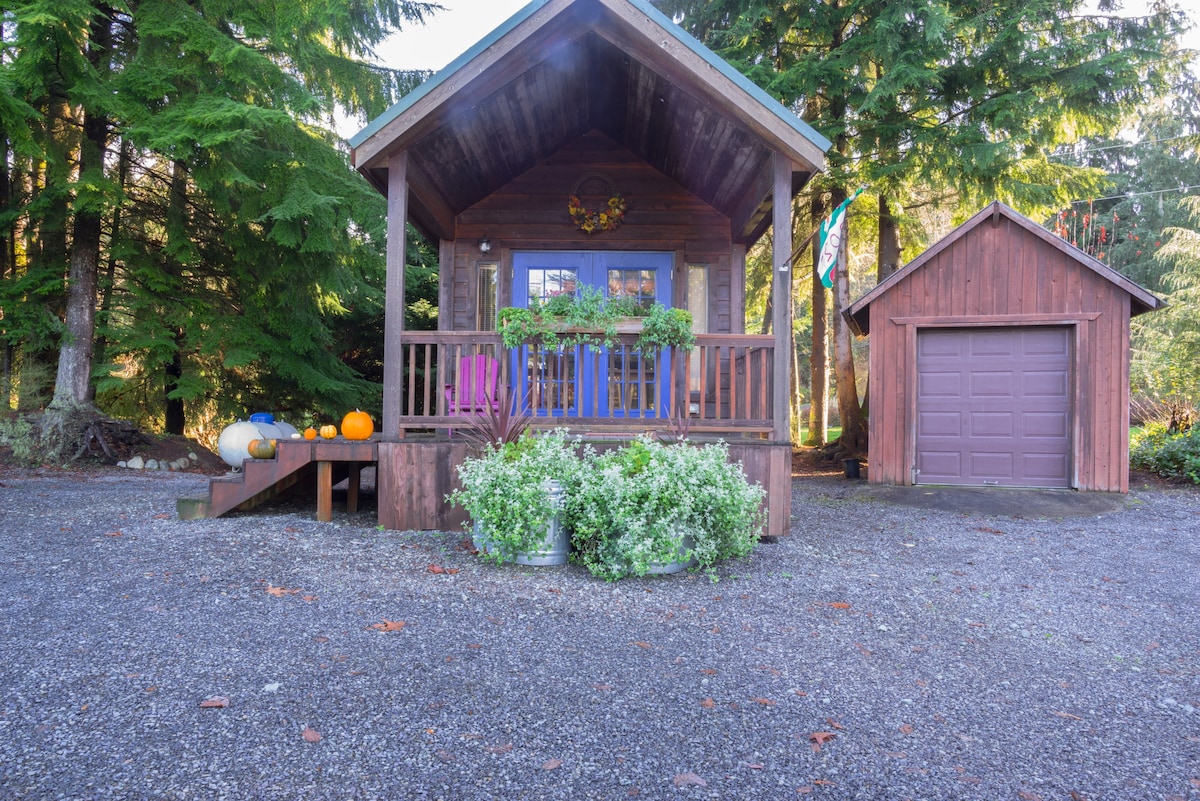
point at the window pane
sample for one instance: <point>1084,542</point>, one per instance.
<point>547,282</point>
<point>637,284</point>
<point>488,297</point>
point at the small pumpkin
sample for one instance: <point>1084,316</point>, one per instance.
<point>310,433</point>
<point>328,431</point>
<point>261,448</point>
<point>357,425</point>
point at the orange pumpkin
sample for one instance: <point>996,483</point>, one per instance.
<point>357,425</point>
<point>310,433</point>
<point>328,431</point>
<point>261,448</point>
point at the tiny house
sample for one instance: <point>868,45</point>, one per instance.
<point>583,143</point>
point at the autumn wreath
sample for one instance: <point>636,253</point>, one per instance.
<point>590,221</point>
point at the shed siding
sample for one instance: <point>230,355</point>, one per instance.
<point>530,213</point>
<point>1002,275</point>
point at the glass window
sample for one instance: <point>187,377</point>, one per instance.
<point>545,283</point>
<point>489,297</point>
<point>637,284</point>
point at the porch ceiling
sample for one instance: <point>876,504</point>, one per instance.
<point>568,68</point>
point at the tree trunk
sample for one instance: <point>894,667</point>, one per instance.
<point>818,360</point>
<point>72,387</point>
<point>174,371</point>
<point>888,252</point>
<point>853,439</point>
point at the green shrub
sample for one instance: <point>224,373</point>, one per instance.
<point>630,509</point>
<point>1169,454</point>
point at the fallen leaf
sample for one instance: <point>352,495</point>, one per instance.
<point>116,534</point>
<point>551,764</point>
<point>840,605</point>
<point>684,779</point>
<point>755,766</point>
<point>311,735</point>
<point>1024,796</point>
<point>805,790</point>
<point>819,738</point>
<point>162,516</point>
<point>444,755</point>
<point>1067,715</point>
<point>499,749</point>
<point>292,529</point>
<point>800,693</point>
<point>436,569</point>
<point>834,724</point>
<point>906,728</point>
<point>641,644</point>
<point>603,687</point>
<point>216,702</point>
<point>279,592</point>
<point>389,625</point>
<point>825,783</point>
<point>764,701</point>
<point>708,703</point>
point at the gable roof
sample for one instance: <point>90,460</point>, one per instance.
<point>1142,300</point>
<point>559,68</point>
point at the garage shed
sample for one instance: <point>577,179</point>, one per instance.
<point>1000,357</point>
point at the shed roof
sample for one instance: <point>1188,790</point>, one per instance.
<point>1142,300</point>
<point>560,68</point>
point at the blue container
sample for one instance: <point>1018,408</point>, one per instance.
<point>263,417</point>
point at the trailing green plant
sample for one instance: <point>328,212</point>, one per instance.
<point>633,508</point>
<point>567,319</point>
<point>666,328</point>
<point>1166,452</point>
<point>507,490</point>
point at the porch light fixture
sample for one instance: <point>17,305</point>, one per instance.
<point>485,245</point>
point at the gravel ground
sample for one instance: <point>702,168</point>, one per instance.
<point>880,652</point>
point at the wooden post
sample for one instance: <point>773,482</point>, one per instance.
<point>393,351</point>
<point>324,491</point>
<point>781,298</point>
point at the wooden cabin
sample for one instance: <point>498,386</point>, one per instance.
<point>596,100</point>
<point>1000,357</point>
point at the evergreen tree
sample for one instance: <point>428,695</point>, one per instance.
<point>232,232</point>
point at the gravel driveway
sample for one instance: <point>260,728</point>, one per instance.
<point>882,651</point>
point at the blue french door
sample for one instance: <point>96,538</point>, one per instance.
<point>587,381</point>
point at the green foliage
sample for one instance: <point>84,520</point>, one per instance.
<point>507,491</point>
<point>242,265</point>
<point>1170,454</point>
<point>631,508</point>
<point>566,320</point>
<point>19,435</point>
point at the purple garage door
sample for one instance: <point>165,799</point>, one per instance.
<point>994,407</point>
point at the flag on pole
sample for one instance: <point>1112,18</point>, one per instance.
<point>833,230</point>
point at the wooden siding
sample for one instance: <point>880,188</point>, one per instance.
<point>530,213</point>
<point>415,477</point>
<point>999,274</point>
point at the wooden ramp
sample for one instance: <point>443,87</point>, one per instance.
<point>318,463</point>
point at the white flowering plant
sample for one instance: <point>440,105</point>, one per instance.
<point>507,489</point>
<point>630,509</point>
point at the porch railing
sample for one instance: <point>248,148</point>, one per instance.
<point>723,385</point>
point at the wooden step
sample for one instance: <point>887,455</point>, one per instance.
<point>262,479</point>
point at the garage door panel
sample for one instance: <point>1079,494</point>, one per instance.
<point>991,467</point>
<point>1045,425</point>
<point>1047,467</point>
<point>940,385</point>
<point>998,384</point>
<point>943,464</point>
<point>993,424</point>
<point>1044,383</point>
<point>993,406</point>
<point>940,424</point>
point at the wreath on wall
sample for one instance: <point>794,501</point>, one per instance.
<point>606,218</point>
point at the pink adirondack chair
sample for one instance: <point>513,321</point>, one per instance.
<point>475,390</point>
